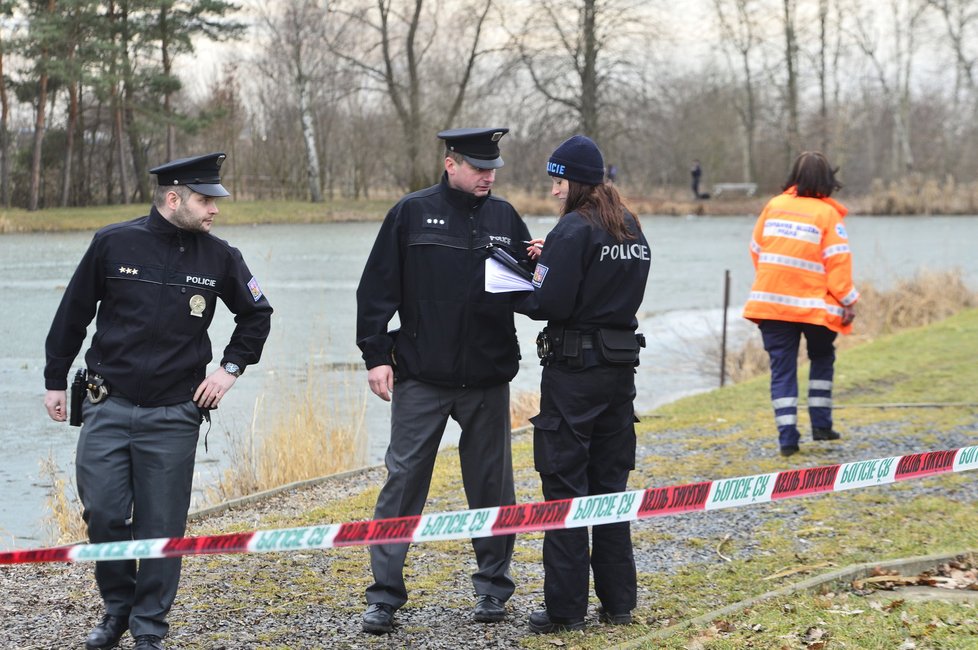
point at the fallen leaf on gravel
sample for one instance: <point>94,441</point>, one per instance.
<point>557,642</point>
<point>812,635</point>
<point>887,581</point>
<point>724,626</point>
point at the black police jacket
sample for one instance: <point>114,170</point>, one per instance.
<point>155,288</point>
<point>585,279</point>
<point>427,265</point>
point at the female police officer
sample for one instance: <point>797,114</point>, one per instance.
<point>589,282</point>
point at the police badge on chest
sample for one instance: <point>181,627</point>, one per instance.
<point>197,305</point>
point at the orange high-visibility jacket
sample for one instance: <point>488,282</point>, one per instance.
<point>802,262</point>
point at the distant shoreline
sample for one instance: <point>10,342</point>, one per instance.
<point>348,210</point>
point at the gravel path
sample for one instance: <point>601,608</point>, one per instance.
<point>238,601</point>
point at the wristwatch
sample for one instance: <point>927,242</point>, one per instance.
<point>232,369</point>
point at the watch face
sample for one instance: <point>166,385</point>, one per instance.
<point>232,368</point>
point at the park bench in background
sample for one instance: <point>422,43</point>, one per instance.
<point>747,188</point>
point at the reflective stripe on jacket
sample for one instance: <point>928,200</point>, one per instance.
<point>802,261</point>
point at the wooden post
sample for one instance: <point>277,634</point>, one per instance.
<point>723,337</point>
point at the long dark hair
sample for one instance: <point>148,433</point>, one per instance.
<point>813,176</point>
<point>602,206</point>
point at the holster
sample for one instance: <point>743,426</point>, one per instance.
<point>76,398</point>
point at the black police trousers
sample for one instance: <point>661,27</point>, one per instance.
<point>584,445</point>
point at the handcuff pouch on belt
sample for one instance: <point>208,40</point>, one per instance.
<point>89,383</point>
<point>612,347</point>
<point>560,345</point>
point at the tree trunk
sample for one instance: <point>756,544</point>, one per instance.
<point>171,136</point>
<point>823,99</point>
<point>38,142</point>
<point>589,77</point>
<point>69,152</point>
<point>791,92</point>
<point>309,138</point>
<point>120,146</point>
<point>4,135</point>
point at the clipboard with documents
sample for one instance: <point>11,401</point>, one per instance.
<point>504,273</point>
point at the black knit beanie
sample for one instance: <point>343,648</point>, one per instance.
<point>577,159</point>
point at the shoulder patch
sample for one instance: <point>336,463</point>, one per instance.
<point>539,275</point>
<point>840,230</point>
<point>254,288</point>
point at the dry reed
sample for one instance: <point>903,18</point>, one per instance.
<point>522,406</point>
<point>925,298</point>
<point>64,523</point>
<point>305,440</point>
<point>918,194</point>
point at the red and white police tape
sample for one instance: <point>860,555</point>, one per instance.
<point>529,517</point>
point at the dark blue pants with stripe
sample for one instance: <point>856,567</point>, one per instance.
<point>781,341</point>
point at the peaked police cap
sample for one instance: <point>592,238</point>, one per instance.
<point>479,147</point>
<point>202,174</point>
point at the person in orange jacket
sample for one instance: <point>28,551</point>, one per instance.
<point>802,285</point>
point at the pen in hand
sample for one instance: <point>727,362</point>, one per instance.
<point>529,243</point>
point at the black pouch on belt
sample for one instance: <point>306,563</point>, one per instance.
<point>617,347</point>
<point>571,348</point>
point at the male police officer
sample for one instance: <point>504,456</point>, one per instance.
<point>155,282</point>
<point>454,355</point>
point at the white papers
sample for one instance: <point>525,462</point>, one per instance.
<point>500,279</point>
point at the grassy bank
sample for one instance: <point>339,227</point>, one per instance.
<point>723,434</point>
<point>232,213</point>
<point>923,197</point>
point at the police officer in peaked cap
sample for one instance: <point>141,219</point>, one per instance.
<point>454,354</point>
<point>152,285</point>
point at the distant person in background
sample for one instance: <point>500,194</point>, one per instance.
<point>803,285</point>
<point>589,283</point>
<point>696,172</point>
<point>612,173</point>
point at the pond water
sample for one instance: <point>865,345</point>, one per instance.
<point>310,274</point>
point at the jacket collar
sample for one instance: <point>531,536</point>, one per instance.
<point>158,224</point>
<point>458,198</point>
<point>841,209</point>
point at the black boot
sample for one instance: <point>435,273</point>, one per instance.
<point>825,434</point>
<point>541,623</point>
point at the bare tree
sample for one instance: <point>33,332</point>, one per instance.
<point>959,17</point>
<point>893,69</point>
<point>400,55</point>
<point>791,83</point>
<point>739,31</point>
<point>43,51</point>
<point>296,47</point>
<point>585,57</point>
